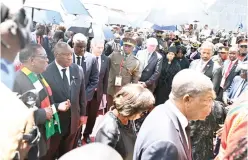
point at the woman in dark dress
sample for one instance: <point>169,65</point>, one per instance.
<point>117,128</point>
<point>170,67</point>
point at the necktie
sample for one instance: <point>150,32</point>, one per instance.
<point>83,64</point>
<point>65,80</point>
<point>78,60</point>
<point>98,65</point>
<point>228,69</point>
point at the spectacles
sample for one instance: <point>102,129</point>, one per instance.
<point>243,46</point>
<point>41,56</point>
<point>128,46</point>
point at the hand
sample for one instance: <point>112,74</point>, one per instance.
<point>143,84</point>
<point>64,106</point>
<point>225,100</point>
<point>83,119</point>
<point>49,113</point>
<point>219,132</point>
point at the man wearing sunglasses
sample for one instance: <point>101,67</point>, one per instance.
<point>242,43</point>
<point>124,69</point>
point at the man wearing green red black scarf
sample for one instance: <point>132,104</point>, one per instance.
<point>34,60</point>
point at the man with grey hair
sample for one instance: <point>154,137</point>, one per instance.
<point>191,98</point>
<point>206,65</point>
<point>150,64</point>
<point>89,64</point>
<point>66,80</point>
<point>97,47</point>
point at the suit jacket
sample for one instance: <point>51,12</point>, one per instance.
<point>76,95</point>
<point>22,84</point>
<point>163,141</point>
<point>103,77</point>
<point>231,91</point>
<point>130,70</point>
<point>150,69</point>
<point>211,70</point>
<point>234,72</point>
<point>91,74</point>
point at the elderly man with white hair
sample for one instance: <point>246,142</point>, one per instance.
<point>89,64</point>
<point>164,134</point>
<point>150,64</point>
<point>206,65</point>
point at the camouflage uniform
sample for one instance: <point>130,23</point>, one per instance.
<point>202,132</point>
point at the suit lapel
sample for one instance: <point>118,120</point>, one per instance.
<point>151,60</point>
<point>103,63</point>
<point>178,127</point>
<point>208,65</point>
<point>73,57</point>
<point>233,68</point>
<point>57,77</point>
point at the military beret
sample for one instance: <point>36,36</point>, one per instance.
<point>223,49</point>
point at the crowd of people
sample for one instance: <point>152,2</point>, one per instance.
<point>168,94</point>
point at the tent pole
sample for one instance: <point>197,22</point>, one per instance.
<point>32,14</point>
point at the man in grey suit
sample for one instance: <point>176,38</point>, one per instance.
<point>67,83</point>
<point>34,58</point>
<point>191,98</point>
<point>90,67</point>
<point>97,47</point>
<point>150,64</point>
<point>206,65</point>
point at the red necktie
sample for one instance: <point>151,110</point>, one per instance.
<point>228,69</point>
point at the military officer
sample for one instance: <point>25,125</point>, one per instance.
<point>124,69</point>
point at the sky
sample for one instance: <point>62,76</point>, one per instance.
<point>136,6</point>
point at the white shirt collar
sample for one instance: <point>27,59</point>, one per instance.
<point>182,119</point>
<point>60,67</point>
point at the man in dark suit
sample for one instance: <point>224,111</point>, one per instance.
<point>229,71</point>
<point>34,58</point>
<point>67,83</point>
<point>97,46</point>
<point>150,64</point>
<point>206,65</point>
<point>191,98</point>
<point>90,67</point>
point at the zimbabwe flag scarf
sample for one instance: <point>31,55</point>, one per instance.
<point>45,94</point>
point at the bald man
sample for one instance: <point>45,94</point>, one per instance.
<point>66,80</point>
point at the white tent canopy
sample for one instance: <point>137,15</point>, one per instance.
<point>228,14</point>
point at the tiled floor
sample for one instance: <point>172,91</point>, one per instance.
<point>98,120</point>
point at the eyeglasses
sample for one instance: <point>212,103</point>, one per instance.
<point>44,57</point>
<point>128,46</point>
<point>243,46</point>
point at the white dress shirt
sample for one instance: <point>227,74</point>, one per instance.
<point>99,63</point>
<point>182,119</point>
<point>201,65</point>
<point>67,72</point>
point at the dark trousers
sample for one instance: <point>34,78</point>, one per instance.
<point>59,145</point>
<point>92,110</point>
<point>109,101</point>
